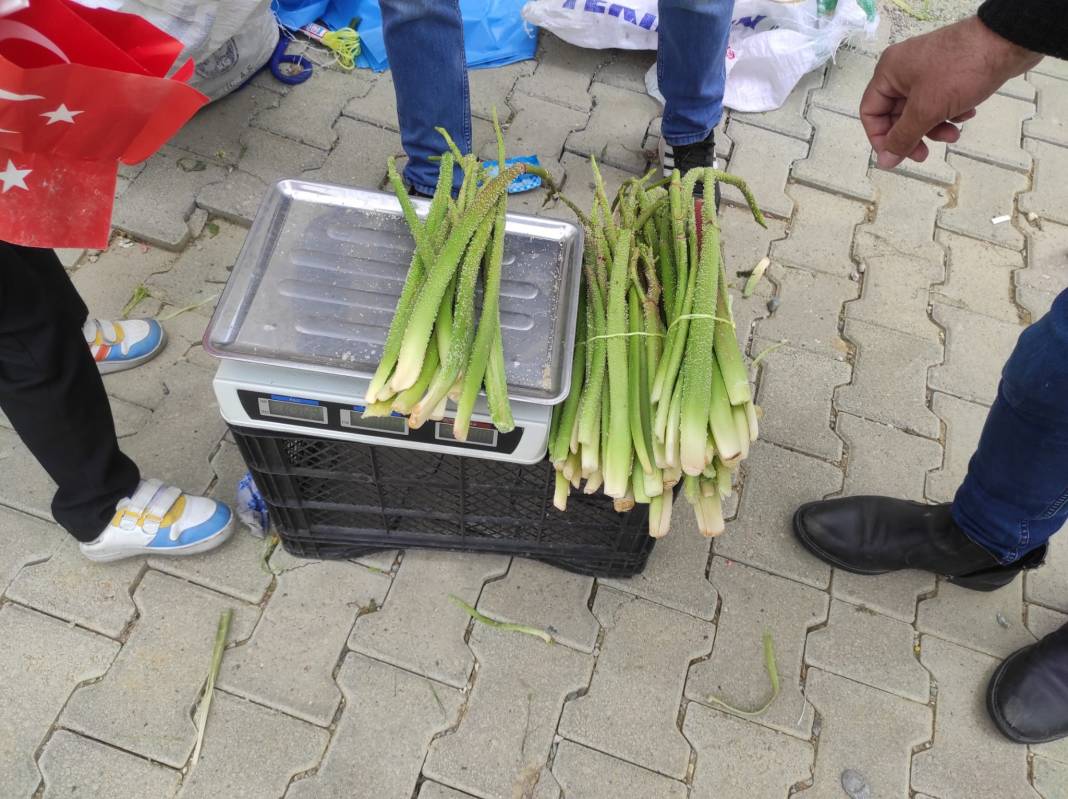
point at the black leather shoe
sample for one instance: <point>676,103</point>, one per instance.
<point>876,535</point>
<point>1028,694</point>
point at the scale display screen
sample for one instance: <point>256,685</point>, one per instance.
<point>355,420</point>
<point>482,436</point>
<point>294,409</point>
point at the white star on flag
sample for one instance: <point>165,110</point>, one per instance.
<point>13,177</point>
<point>61,114</point>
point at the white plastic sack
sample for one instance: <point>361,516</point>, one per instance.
<point>772,43</point>
<point>228,40</point>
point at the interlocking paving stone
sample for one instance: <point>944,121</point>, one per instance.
<point>994,135</point>
<point>1049,585</point>
<point>865,646</point>
<point>1050,124</point>
<point>378,106</point>
<point>964,422</point>
<point>503,740</point>
<point>674,575</point>
<point>434,790</point>
<point>847,77</point>
<point>615,132</point>
<point>971,372</point>
<point>1046,197</point>
<point>893,595</point>
<point>491,88</point>
<point>73,588</point>
<point>185,430</point>
<point>1035,302</point>
<point>593,775</point>
<point>390,718</point>
<point>42,661</point>
<point>272,158</point>
<point>1050,778</point>
<point>745,242</point>
<point>821,233</point>
<point>985,193</point>
<point>895,293</point>
<point>27,540</point>
<point>308,115</point>
<point>156,206</point>
<point>360,156</point>
<point>1042,621</point>
<point>1047,259</point>
<point>904,218</point>
<point>1053,68</point>
<point>807,317</point>
<point>201,271</point>
<point>795,392</point>
<point>242,733</point>
<point>235,199</point>
<point>145,702</point>
<point>934,169</point>
<point>631,708</point>
<point>563,73</point>
<point>1020,88</point>
<point>234,568</point>
<point>762,762</point>
<point>398,633</point>
<point>287,664</point>
<point>541,127</point>
<point>753,602</point>
<point>789,118</point>
<point>777,481</point>
<point>884,460</point>
<point>545,597</point>
<point>979,277</point>
<point>75,766</point>
<point>24,484</point>
<point>108,284</point>
<point>866,730</point>
<point>839,157</point>
<point>626,70</point>
<point>216,132</point>
<point>989,621</point>
<point>969,757</point>
<point>763,158</point>
<point>889,378</point>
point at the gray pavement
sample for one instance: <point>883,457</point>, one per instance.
<point>898,301</point>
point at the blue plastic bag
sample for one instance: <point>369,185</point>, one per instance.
<point>525,182</point>
<point>494,32</point>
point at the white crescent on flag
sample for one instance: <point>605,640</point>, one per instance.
<point>10,29</point>
<point>18,98</point>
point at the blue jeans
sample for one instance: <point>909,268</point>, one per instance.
<point>1015,495</point>
<point>425,46</point>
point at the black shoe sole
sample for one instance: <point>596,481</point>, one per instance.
<point>999,720</point>
<point>981,581</point>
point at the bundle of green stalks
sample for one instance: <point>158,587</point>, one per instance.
<point>434,351</point>
<point>659,390</point>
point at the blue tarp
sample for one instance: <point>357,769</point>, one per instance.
<point>494,32</point>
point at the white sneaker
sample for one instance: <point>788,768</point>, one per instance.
<point>123,345</point>
<point>161,520</point>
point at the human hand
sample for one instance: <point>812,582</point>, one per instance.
<point>925,86</point>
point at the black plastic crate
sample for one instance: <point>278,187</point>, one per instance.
<point>344,499</point>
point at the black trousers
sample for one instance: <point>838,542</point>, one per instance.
<point>52,393</point>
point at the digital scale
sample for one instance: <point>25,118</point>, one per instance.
<point>300,327</point>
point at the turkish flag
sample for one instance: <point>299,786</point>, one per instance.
<point>80,90</point>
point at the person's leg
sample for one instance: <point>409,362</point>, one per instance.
<point>52,393</point>
<point>1015,495</point>
<point>691,66</point>
<point>425,45</point>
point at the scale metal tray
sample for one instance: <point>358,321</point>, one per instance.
<point>318,278</point>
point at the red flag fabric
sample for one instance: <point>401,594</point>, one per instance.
<point>73,102</point>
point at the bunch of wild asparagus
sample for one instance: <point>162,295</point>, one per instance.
<point>659,389</point>
<point>432,351</point>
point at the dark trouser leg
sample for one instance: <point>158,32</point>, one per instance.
<point>52,393</point>
<point>1016,493</point>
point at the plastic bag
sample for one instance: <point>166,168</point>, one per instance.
<point>251,507</point>
<point>772,44</point>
